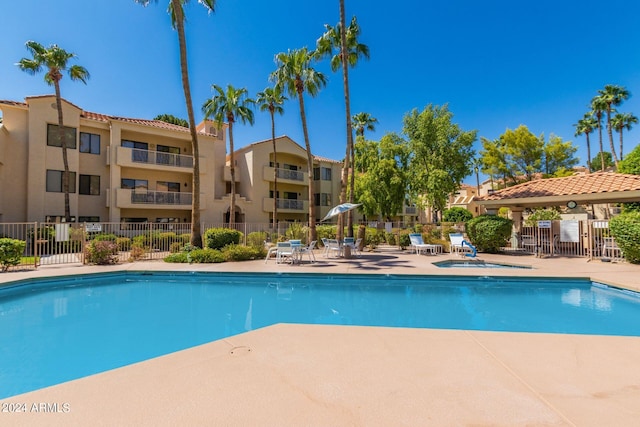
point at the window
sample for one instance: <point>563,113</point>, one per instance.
<point>54,181</point>
<point>53,136</point>
<point>323,174</point>
<point>164,156</point>
<point>134,184</point>
<point>89,184</point>
<point>322,199</point>
<point>168,186</point>
<point>89,143</point>
<point>139,152</point>
<point>88,219</point>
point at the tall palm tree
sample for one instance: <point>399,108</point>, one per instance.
<point>623,121</point>
<point>364,121</point>
<point>598,107</point>
<point>349,51</point>
<point>271,100</point>
<point>176,10</point>
<point>585,126</point>
<point>55,60</point>
<point>230,105</point>
<point>295,75</point>
<point>613,95</point>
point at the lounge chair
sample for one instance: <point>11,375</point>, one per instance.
<point>460,246</point>
<point>420,246</point>
<point>271,250</point>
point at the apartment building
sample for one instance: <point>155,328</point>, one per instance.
<point>256,170</point>
<point>135,170</point>
<point>121,169</point>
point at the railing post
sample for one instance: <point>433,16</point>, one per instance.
<point>35,244</point>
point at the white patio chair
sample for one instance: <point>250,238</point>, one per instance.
<point>284,252</point>
<point>332,245</point>
<point>458,245</point>
<point>309,251</point>
<point>610,249</point>
<point>419,245</point>
<point>355,246</point>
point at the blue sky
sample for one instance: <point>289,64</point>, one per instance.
<point>497,63</point>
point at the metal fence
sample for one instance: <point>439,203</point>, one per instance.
<point>64,243</point>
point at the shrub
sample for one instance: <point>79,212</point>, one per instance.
<point>105,237</point>
<point>175,247</point>
<point>256,238</point>
<point>11,252</point>
<point>373,237</point>
<point>390,238</point>
<point>206,256</point>
<point>625,228</point>
<point>489,232</point>
<point>137,252</point>
<point>101,252</point>
<point>403,239</point>
<point>326,232</point>
<point>296,230</point>
<point>218,238</point>
<point>456,214</point>
<point>243,253</point>
<point>177,257</point>
<point>123,243</point>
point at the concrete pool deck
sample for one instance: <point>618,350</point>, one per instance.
<point>311,375</point>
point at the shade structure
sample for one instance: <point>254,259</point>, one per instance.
<point>345,207</point>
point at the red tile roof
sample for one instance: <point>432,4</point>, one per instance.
<point>594,183</point>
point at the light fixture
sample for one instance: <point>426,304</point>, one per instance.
<point>571,204</point>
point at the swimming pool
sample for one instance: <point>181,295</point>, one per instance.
<point>52,331</point>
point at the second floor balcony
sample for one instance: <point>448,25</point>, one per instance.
<point>133,157</point>
<point>285,175</point>
<point>148,199</point>
<point>285,205</point>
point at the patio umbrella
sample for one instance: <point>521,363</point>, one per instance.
<point>345,207</point>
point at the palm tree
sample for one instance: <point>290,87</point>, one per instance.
<point>623,121</point>
<point>271,100</point>
<point>613,95</point>
<point>230,105</point>
<point>55,60</point>
<point>176,10</point>
<point>598,107</point>
<point>364,121</point>
<point>349,51</point>
<point>295,74</point>
<point>585,126</point>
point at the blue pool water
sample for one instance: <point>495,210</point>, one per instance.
<point>462,263</point>
<point>55,331</point>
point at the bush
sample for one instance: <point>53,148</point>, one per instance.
<point>218,238</point>
<point>625,228</point>
<point>206,256</point>
<point>489,233</point>
<point>11,251</point>
<point>243,253</point>
<point>105,237</point>
<point>373,237</point>
<point>256,238</point>
<point>404,240</point>
<point>326,232</point>
<point>123,243</point>
<point>175,247</point>
<point>390,238</point>
<point>101,252</point>
<point>456,214</point>
<point>180,257</point>
<point>137,252</point>
<point>297,230</point>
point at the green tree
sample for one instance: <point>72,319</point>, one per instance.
<point>55,61</point>
<point>456,214</point>
<point>349,51</point>
<point>631,163</point>
<point>612,96</point>
<point>168,118</point>
<point>598,107</point>
<point>230,105</point>
<point>364,121</point>
<point>295,74</point>
<point>382,187</point>
<point>559,156</point>
<point>605,158</point>
<point>622,121</point>
<point>493,161</point>
<point>271,100</point>
<point>176,10</point>
<point>585,126</point>
<point>525,151</point>
<point>441,154</point>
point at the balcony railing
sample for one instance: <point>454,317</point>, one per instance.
<point>292,204</point>
<point>160,198</point>
<point>290,174</point>
<point>161,158</point>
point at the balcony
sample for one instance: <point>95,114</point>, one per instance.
<point>286,205</point>
<point>133,157</point>
<point>410,210</point>
<point>286,176</point>
<point>147,199</point>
